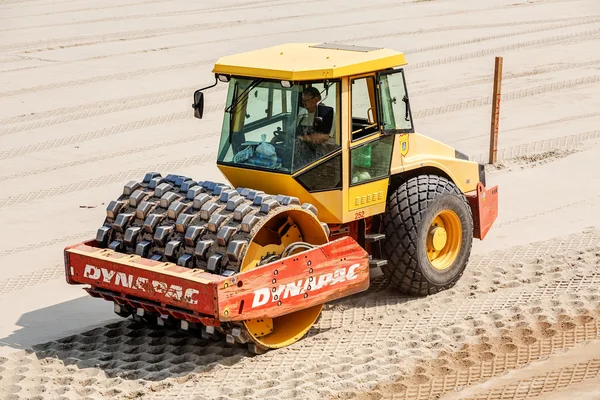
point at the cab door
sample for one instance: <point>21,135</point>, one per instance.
<point>370,151</point>
<point>394,111</point>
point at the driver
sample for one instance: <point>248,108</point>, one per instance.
<point>315,120</point>
<point>315,129</point>
<point>314,133</point>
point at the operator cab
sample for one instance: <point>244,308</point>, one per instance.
<point>314,121</point>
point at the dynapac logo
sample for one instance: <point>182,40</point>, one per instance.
<point>129,281</point>
<point>264,295</point>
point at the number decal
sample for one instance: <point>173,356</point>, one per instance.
<point>359,215</point>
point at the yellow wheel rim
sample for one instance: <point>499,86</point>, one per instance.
<point>301,227</point>
<point>444,239</point>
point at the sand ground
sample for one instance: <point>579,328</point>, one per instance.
<point>95,93</point>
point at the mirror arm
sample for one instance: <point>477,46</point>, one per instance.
<point>213,85</point>
<point>194,105</point>
<point>198,104</point>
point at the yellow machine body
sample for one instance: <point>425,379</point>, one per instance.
<point>307,64</point>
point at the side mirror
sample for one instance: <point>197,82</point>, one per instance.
<point>198,105</point>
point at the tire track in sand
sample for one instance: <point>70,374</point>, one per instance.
<point>567,142</point>
<point>507,76</point>
<point>33,246</point>
<point>360,340</point>
<point>26,280</point>
<point>82,111</point>
<point>547,212</point>
<point>104,78</point>
<point>11,60</point>
<point>252,5</point>
<point>224,8</point>
<point>85,40</point>
<point>553,381</point>
<point>39,115</point>
<point>581,36</point>
<point>19,3</point>
<point>537,125</point>
<point>495,37</point>
<point>104,180</point>
<point>507,342</point>
<point>513,95</point>
<point>555,121</point>
<point>164,48</point>
<point>568,38</point>
<point>458,27</point>
<point>566,23</point>
<point>102,133</point>
<point>102,157</point>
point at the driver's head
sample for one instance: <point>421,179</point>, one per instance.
<point>310,98</point>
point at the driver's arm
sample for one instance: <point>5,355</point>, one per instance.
<point>316,138</point>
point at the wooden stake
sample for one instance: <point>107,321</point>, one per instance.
<point>495,110</point>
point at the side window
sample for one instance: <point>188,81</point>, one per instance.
<point>371,161</point>
<point>395,106</point>
<point>327,175</point>
<point>364,120</point>
<point>275,102</point>
<point>262,113</point>
<point>257,100</point>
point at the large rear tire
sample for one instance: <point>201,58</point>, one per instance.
<point>429,233</point>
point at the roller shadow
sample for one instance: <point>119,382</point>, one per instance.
<point>122,348</point>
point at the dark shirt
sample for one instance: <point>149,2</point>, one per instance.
<point>323,121</point>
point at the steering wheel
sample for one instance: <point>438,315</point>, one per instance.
<point>278,134</point>
<point>280,137</point>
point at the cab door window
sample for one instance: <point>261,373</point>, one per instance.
<point>395,113</point>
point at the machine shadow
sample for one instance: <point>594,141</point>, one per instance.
<point>126,349</point>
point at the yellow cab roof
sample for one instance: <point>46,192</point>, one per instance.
<point>308,61</point>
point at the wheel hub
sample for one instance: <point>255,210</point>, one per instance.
<point>444,239</point>
<point>438,238</point>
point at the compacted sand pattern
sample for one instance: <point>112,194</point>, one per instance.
<point>96,94</point>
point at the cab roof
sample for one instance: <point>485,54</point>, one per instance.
<point>309,61</point>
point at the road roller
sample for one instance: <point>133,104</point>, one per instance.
<point>325,180</point>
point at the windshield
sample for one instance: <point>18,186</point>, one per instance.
<point>280,129</point>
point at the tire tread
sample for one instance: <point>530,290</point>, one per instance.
<point>406,206</point>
